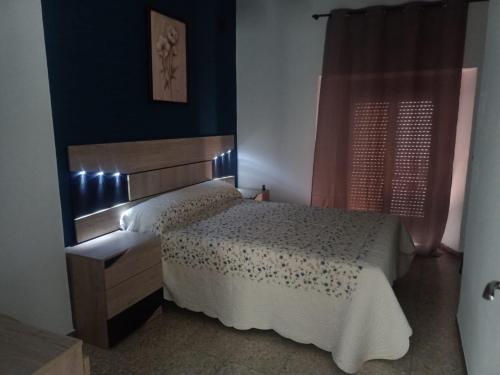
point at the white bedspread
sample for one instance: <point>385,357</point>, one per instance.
<point>319,276</point>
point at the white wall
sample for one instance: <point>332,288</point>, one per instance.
<point>476,34</point>
<point>479,319</point>
<point>451,236</point>
<point>33,282</point>
<point>279,51</point>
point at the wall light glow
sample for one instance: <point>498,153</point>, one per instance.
<point>101,173</point>
<point>228,152</point>
<point>82,173</point>
<point>117,174</point>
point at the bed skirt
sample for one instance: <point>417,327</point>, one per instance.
<point>371,325</point>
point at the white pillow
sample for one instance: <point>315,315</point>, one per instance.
<point>177,206</point>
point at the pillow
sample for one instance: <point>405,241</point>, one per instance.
<point>178,207</point>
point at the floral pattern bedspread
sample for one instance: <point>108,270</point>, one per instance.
<point>320,249</point>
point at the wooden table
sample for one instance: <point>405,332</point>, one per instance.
<point>28,350</point>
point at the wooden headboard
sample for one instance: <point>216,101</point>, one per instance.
<point>152,167</point>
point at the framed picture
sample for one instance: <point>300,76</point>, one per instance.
<point>168,58</point>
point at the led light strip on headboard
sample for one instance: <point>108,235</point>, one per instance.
<point>127,173</point>
<point>134,157</point>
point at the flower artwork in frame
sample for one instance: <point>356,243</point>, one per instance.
<point>168,58</point>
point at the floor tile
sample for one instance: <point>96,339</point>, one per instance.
<point>309,360</point>
<point>399,367</point>
<point>235,369</point>
<point>263,351</point>
<point>105,362</point>
<point>187,362</point>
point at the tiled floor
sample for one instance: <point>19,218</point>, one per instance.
<point>183,342</point>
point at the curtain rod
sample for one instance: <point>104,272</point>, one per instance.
<point>354,11</point>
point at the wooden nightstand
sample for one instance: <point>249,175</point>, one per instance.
<point>255,194</point>
<point>115,284</point>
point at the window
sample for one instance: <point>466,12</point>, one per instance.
<point>368,156</point>
<point>410,162</point>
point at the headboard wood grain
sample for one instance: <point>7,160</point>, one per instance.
<point>152,167</point>
<point>101,222</point>
<point>135,157</point>
<point>144,184</point>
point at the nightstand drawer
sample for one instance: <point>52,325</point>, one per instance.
<point>133,290</point>
<point>133,261</point>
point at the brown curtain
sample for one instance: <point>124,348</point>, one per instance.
<point>388,113</point>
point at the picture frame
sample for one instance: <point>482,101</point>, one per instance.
<point>168,58</point>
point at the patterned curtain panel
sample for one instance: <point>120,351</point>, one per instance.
<point>388,113</point>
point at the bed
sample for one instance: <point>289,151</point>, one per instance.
<point>314,275</point>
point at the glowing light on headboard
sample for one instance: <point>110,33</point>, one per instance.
<point>223,164</point>
<point>95,190</point>
<point>222,155</point>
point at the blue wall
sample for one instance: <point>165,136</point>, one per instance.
<point>98,61</point>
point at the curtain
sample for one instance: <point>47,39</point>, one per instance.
<point>387,113</point>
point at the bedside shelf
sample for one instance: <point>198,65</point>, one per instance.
<point>115,284</point>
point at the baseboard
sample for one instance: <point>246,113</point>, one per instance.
<point>460,342</point>
<point>72,334</point>
<point>451,251</point>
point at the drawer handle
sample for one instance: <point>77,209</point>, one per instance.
<point>110,261</point>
